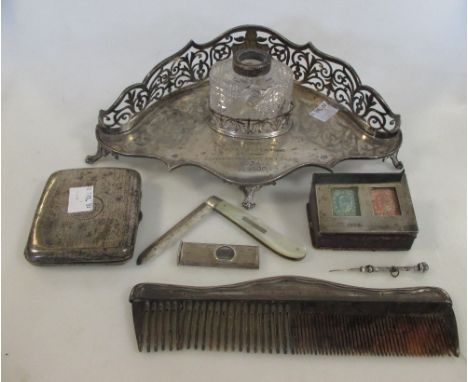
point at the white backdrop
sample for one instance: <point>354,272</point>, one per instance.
<point>65,60</point>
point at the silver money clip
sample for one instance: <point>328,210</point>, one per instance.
<point>218,255</point>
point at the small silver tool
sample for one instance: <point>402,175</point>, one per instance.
<point>218,255</point>
<point>394,269</point>
<point>274,240</point>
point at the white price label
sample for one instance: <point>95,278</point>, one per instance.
<point>80,199</point>
<point>323,112</point>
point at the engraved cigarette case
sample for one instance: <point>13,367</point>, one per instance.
<point>100,230</point>
<point>361,211</point>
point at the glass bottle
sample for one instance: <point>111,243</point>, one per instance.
<point>251,86</point>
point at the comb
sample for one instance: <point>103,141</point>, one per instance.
<point>295,315</point>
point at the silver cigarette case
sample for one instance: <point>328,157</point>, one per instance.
<point>99,226</point>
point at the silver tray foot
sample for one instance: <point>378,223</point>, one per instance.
<point>249,192</point>
<point>100,152</point>
<point>395,161</point>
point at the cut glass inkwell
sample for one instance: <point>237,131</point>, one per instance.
<point>251,95</point>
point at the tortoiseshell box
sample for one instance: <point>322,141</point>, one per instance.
<point>105,233</point>
<point>361,211</point>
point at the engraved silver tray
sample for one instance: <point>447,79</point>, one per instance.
<point>167,116</point>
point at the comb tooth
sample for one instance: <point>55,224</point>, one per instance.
<point>305,323</point>
<point>230,327</point>
<point>314,327</point>
<point>274,327</point>
<point>322,337</point>
<point>367,333</point>
<point>221,326</point>
<point>170,323</point>
<point>247,324</point>
<point>334,333</point>
<point>354,323</point>
<point>388,323</point>
<point>159,321</point>
<point>383,336</point>
<point>258,338</point>
<point>362,346</point>
<point>243,326</point>
<point>351,321</point>
<point>434,330</point>
<point>450,343</point>
<point>176,324</point>
<point>252,326</point>
<point>281,329</point>
<point>255,325</point>
<point>160,324</point>
<point>318,332</point>
<point>350,335</point>
<point>144,332</point>
<point>302,336</point>
<point>287,328</point>
<point>151,326</point>
<point>195,325</point>
<point>339,339</point>
<point>440,333</point>
<point>166,325</point>
<point>154,306</point>
<point>180,337</point>
<point>311,332</point>
<point>214,341</point>
<point>188,306</point>
<point>414,341</point>
<point>164,316</point>
<point>208,327</point>
<point>393,329</point>
<point>268,328</point>
<point>302,332</point>
<point>331,333</point>
<point>266,323</point>
<point>311,324</point>
<point>306,339</point>
<point>235,325</point>
<point>305,330</point>
<point>423,333</point>
<point>214,325</point>
<point>202,325</point>
<point>226,325</point>
<point>400,340</point>
<point>205,323</point>
<point>236,331</point>
<point>173,324</point>
<point>447,341</point>
<point>308,334</point>
<point>430,332</point>
<point>298,330</point>
<point>371,334</point>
